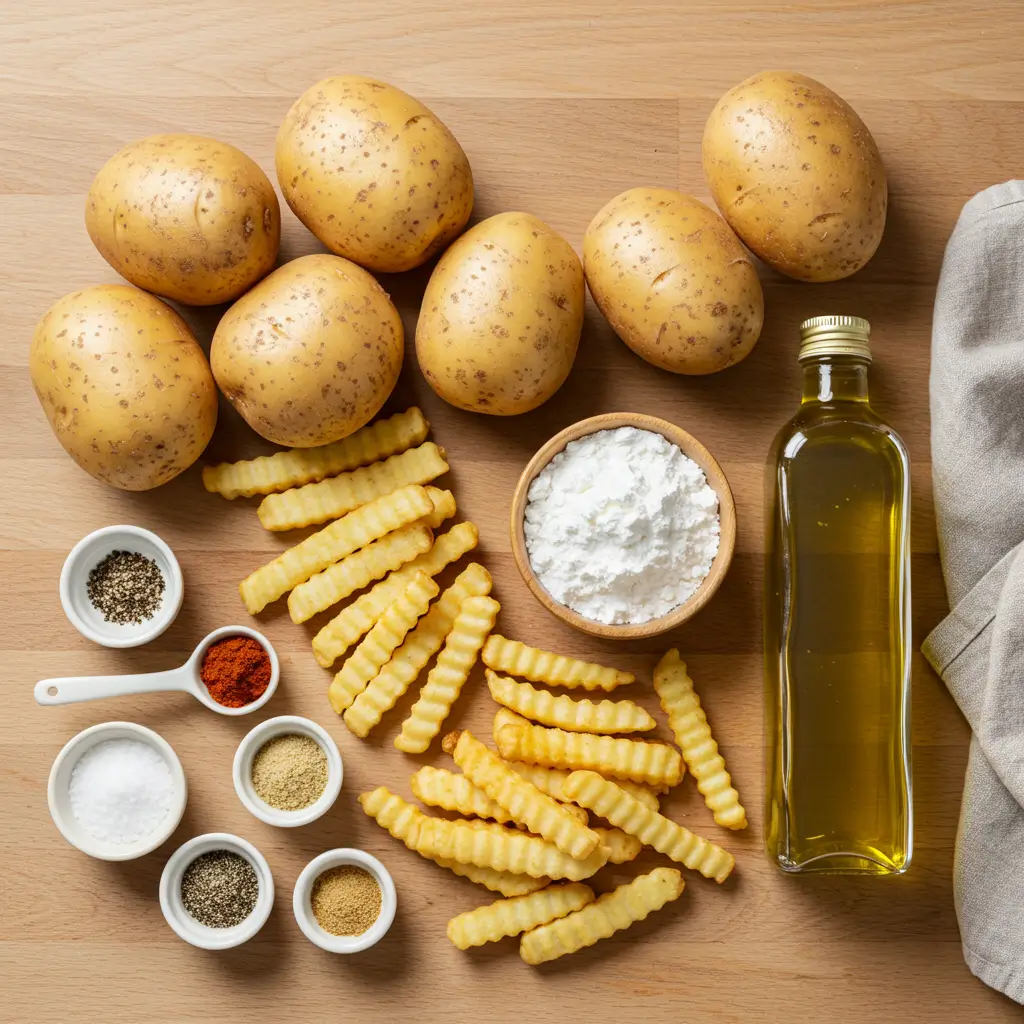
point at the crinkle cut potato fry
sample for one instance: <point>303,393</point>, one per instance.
<point>438,787</point>
<point>297,466</point>
<point>487,846</point>
<point>395,677</point>
<point>356,530</point>
<point>502,918</point>
<point>358,618</point>
<point>357,570</point>
<point>444,507</point>
<point>621,846</point>
<point>651,828</point>
<point>446,679</point>
<point>338,495</point>
<point>642,761</point>
<point>550,780</point>
<point>517,659</point>
<point>497,881</point>
<point>527,804</point>
<point>607,716</point>
<point>601,919</point>
<point>690,726</point>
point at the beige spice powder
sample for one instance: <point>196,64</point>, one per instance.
<point>290,772</point>
<point>346,900</point>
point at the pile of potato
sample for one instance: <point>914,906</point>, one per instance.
<point>309,352</point>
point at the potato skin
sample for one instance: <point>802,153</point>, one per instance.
<point>797,175</point>
<point>501,316</point>
<point>124,384</point>
<point>186,217</point>
<point>311,353</point>
<point>673,281</point>
<point>373,173</point>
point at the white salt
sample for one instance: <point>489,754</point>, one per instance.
<point>121,791</point>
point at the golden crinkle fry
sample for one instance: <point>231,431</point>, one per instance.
<point>379,644</point>
<point>419,647</point>
<point>606,915</point>
<point>654,764</point>
<point>355,571</point>
<point>444,507</point>
<point>438,787</point>
<point>538,666</point>
<point>621,846</point>
<point>527,804</point>
<point>298,466</point>
<point>328,499</point>
<point>550,780</point>
<point>497,881</point>
<point>576,715</point>
<point>693,734</point>
<point>652,829</point>
<point>358,618</point>
<point>334,542</point>
<point>480,843</point>
<point>510,917</point>
<point>445,681</point>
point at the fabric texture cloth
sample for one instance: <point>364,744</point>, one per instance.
<point>977,408</point>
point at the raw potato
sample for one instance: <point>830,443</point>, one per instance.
<point>124,384</point>
<point>673,281</point>
<point>185,216</point>
<point>501,316</point>
<point>797,174</point>
<point>311,353</point>
<point>373,173</point>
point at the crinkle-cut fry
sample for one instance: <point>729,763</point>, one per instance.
<point>448,676</point>
<point>444,507</point>
<point>513,916</point>
<point>398,674</point>
<point>517,659</point>
<point>298,466</point>
<point>608,716</point>
<point>337,495</point>
<point>480,843</point>
<point>637,760</point>
<point>356,530</point>
<point>621,846</point>
<point>379,644</point>
<point>527,804</point>
<point>689,723</point>
<point>355,571</point>
<point>497,881</point>
<point>650,827</point>
<point>608,914</point>
<point>358,618</point>
<point>550,780</point>
<point>438,787</point>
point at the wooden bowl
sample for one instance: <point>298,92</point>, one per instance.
<point>690,447</point>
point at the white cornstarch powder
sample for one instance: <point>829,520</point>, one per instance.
<point>621,526</point>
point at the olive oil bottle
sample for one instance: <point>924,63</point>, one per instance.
<point>837,622</point>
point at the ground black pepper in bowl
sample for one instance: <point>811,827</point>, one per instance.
<point>220,889</point>
<point>126,588</point>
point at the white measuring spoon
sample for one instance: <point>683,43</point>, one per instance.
<point>74,689</point>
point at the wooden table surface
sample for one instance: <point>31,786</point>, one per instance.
<point>559,105</point>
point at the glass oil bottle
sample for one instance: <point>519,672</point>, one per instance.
<point>837,622</point>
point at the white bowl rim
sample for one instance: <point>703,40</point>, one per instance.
<point>253,740</point>
<point>304,913</point>
<point>77,836</point>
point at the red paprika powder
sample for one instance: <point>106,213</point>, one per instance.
<point>236,671</point>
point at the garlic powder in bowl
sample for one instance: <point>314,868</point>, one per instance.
<point>621,526</point>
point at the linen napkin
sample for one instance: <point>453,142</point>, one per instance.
<point>977,407</point>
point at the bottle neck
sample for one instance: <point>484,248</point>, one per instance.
<point>835,379</point>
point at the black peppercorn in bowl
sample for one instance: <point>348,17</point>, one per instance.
<point>121,586</point>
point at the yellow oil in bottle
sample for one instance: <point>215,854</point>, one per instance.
<point>837,622</point>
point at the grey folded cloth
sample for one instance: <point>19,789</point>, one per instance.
<point>977,405</point>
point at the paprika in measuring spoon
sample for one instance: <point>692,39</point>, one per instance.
<point>236,671</point>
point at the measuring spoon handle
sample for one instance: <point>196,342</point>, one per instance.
<point>74,689</point>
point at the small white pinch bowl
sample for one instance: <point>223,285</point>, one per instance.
<point>184,924</point>
<point>87,554</point>
<point>241,771</point>
<point>60,801</point>
<point>303,908</point>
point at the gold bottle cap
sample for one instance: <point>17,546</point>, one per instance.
<point>835,336</point>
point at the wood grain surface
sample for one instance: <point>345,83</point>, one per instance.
<point>560,105</point>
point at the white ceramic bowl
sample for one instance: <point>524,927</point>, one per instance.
<point>303,908</point>
<point>183,923</point>
<point>60,801</point>
<point>251,743</point>
<point>87,554</point>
